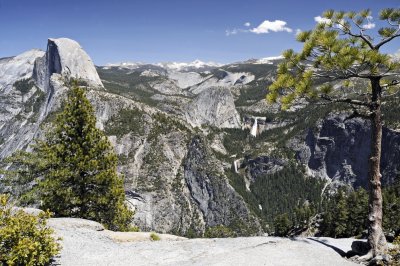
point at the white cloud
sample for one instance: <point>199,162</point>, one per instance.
<point>320,19</point>
<point>231,32</point>
<point>247,24</point>
<point>298,31</point>
<point>369,26</point>
<point>266,26</point>
<point>234,31</point>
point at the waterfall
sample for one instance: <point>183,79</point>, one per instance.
<point>253,131</point>
<point>235,165</point>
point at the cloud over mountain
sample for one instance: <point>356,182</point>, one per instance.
<point>266,26</point>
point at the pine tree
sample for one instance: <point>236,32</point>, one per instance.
<point>341,215</point>
<point>391,208</point>
<point>74,170</point>
<point>357,203</point>
<point>282,224</point>
<point>341,63</point>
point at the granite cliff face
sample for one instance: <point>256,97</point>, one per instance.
<point>66,58</point>
<point>338,150</point>
<point>210,189</point>
<point>17,67</point>
<point>213,107</point>
<point>21,105</point>
<point>31,83</point>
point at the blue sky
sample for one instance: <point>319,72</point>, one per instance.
<point>167,30</point>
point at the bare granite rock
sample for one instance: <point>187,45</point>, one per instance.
<point>85,245</point>
<point>215,107</point>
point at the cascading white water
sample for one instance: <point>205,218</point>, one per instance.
<point>253,131</point>
<point>235,165</point>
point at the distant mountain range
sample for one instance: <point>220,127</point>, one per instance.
<point>191,66</point>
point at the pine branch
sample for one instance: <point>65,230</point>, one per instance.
<point>361,35</point>
<point>345,100</point>
<point>396,34</point>
<point>392,24</point>
<point>356,114</point>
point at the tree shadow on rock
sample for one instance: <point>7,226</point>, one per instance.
<point>358,248</point>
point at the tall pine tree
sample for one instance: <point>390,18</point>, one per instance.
<point>341,62</point>
<point>74,170</point>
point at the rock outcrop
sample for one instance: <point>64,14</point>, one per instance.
<point>338,150</point>
<point>217,200</point>
<point>20,104</point>
<point>67,58</point>
<point>262,165</point>
<point>84,244</point>
<point>17,68</point>
<point>222,78</point>
<point>213,107</point>
<point>42,76</point>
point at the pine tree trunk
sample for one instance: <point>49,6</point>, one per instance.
<point>376,237</point>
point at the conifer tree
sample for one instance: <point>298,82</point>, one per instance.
<point>282,224</point>
<point>357,204</point>
<point>341,63</point>
<point>341,215</point>
<point>345,214</point>
<point>391,208</point>
<point>74,170</point>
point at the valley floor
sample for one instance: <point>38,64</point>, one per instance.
<point>83,244</point>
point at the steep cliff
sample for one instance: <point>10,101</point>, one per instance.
<point>17,67</point>
<point>338,150</point>
<point>64,58</point>
<point>172,178</point>
<point>210,189</point>
<point>21,101</point>
<point>213,107</point>
<point>33,84</point>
